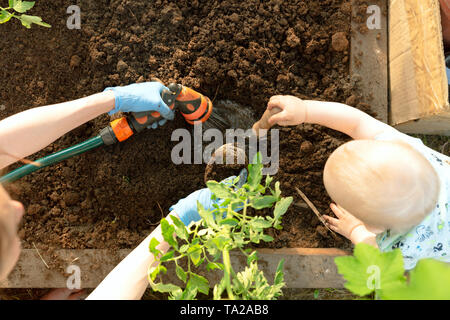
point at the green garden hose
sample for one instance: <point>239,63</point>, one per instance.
<point>52,159</point>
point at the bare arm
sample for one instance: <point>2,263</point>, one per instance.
<point>343,118</point>
<point>128,280</point>
<point>337,116</point>
<point>362,235</point>
<point>29,131</point>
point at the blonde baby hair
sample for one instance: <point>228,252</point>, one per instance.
<point>385,184</point>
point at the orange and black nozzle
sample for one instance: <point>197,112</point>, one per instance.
<point>194,107</point>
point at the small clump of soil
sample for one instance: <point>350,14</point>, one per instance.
<point>225,162</point>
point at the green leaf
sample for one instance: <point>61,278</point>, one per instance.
<point>199,282</point>
<point>167,231</point>
<point>154,271</point>
<point>220,242</point>
<point>169,255</point>
<point>21,6</point>
<point>230,222</point>
<point>279,276</point>
<point>266,238</point>
<point>180,273</point>
<point>429,280</point>
<point>220,190</point>
<point>28,20</point>
<point>214,265</point>
<point>369,269</point>
<point>255,172</point>
<point>184,248</point>
<point>263,202</point>
<point>203,232</point>
<point>239,240</point>
<point>268,181</point>
<point>165,287</point>
<point>260,223</point>
<point>316,293</point>
<point>188,294</point>
<point>206,216</point>
<point>281,207</point>
<point>252,257</point>
<point>152,246</point>
<point>5,16</point>
<point>277,190</point>
<point>180,228</point>
<point>195,253</point>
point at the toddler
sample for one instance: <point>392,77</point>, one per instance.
<point>389,189</point>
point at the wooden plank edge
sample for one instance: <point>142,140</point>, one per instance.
<point>303,267</point>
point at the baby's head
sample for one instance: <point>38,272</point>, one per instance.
<point>385,184</point>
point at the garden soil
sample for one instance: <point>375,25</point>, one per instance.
<point>112,197</point>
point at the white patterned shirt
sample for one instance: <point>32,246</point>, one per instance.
<point>430,238</point>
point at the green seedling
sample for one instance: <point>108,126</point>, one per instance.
<point>370,271</point>
<point>223,229</point>
<point>16,10</point>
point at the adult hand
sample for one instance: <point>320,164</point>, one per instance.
<point>141,97</point>
<point>186,208</point>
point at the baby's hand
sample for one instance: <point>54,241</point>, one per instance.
<point>293,110</point>
<point>346,224</point>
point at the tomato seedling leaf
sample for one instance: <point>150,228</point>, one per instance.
<point>181,273</point>
<point>27,21</point>
<point>5,16</point>
<point>152,247</point>
<point>220,190</point>
<point>281,207</point>
<point>167,232</point>
<point>263,202</point>
<point>199,282</point>
<point>21,6</point>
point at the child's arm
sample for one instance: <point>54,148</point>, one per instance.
<point>337,116</point>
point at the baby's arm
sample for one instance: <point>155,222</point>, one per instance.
<point>337,116</point>
<point>349,226</point>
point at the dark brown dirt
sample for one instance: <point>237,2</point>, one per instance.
<point>243,51</point>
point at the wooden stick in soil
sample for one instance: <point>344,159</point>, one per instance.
<point>314,209</point>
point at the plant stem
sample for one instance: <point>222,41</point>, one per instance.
<point>227,273</point>
<point>244,215</point>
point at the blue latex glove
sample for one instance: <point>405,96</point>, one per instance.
<point>448,74</point>
<point>141,97</point>
<point>186,208</point>
<point>447,67</point>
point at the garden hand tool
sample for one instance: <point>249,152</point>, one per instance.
<point>263,123</point>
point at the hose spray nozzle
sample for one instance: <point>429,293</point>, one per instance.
<point>194,107</point>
